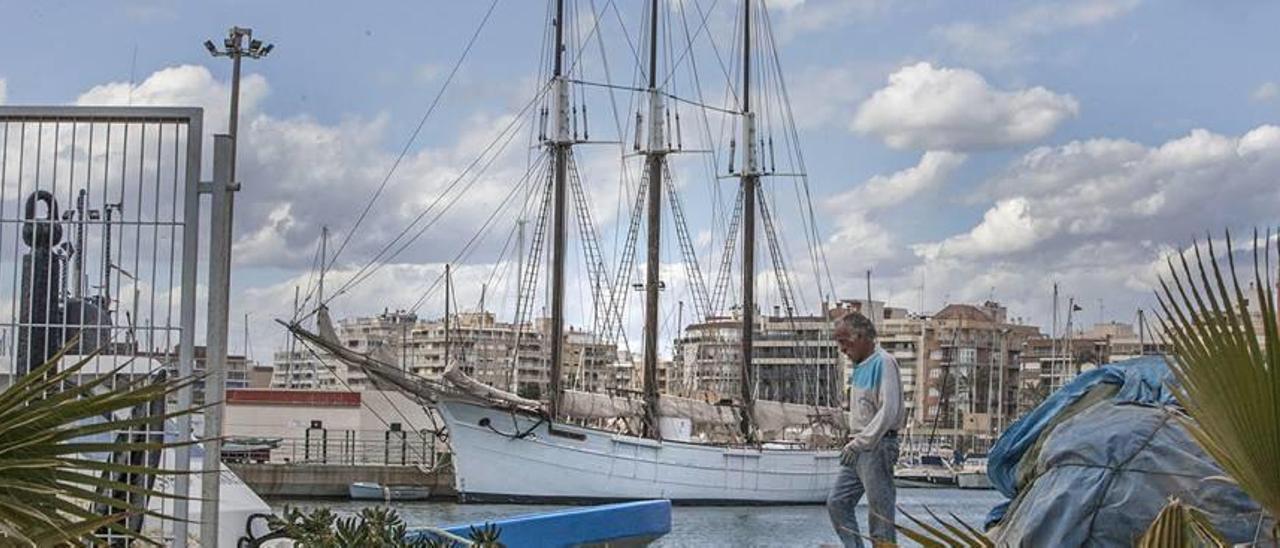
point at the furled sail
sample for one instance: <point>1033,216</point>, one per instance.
<point>478,389</point>
<point>379,367</point>
<point>769,416</point>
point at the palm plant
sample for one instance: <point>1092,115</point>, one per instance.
<point>52,491</point>
<point>1228,380</point>
<point>375,526</point>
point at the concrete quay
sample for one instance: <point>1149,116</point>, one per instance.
<point>286,480</point>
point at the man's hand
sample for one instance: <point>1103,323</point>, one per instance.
<point>849,454</point>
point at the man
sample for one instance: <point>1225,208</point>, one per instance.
<point>876,414</point>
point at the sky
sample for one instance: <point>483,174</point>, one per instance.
<point>959,151</point>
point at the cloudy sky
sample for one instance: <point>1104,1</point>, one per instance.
<point>958,150</point>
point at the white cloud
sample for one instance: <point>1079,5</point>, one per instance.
<point>805,16</point>
<point>823,96</point>
<point>1004,42</point>
<point>1097,216</point>
<point>300,174</point>
<point>1266,92</point>
<point>886,190</point>
<point>828,96</point>
<point>859,243</point>
<point>4,90</point>
<point>1107,189</point>
<point>186,85</point>
<point>1008,227</point>
<point>859,240</point>
<point>924,107</point>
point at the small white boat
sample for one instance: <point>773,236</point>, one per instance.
<point>973,473</point>
<point>367,490</point>
<point>925,471</point>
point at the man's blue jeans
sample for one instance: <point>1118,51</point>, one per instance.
<point>871,473</point>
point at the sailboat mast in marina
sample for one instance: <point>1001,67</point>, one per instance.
<point>561,144</point>
<point>750,179</point>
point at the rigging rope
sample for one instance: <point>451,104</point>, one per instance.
<point>504,136</point>
<point>414,135</point>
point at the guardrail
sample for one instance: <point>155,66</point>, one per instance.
<point>350,447</point>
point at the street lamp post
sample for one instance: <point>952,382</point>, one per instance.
<point>238,44</point>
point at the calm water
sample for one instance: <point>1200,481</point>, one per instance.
<point>709,526</point>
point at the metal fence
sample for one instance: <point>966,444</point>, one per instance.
<point>93,218</point>
<point>348,447</point>
<point>98,210</point>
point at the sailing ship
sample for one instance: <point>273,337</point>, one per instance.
<point>570,447</point>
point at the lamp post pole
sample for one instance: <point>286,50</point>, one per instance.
<point>238,44</point>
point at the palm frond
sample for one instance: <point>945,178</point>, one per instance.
<point>52,490</point>
<point>943,534</point>
<point>1180,525</point>
<point>1227,365</point>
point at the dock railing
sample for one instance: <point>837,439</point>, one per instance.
<point>348,447</point>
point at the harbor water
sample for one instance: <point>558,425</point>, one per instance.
<point>707,525</point>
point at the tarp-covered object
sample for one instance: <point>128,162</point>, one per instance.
<point>1097,460</point>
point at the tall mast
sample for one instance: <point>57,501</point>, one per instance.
<point>654,158</point>
<point>448,288</point>
<point>750,179</point>
<point>560,151</point>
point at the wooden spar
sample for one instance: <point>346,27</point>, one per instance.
<point>655,156</point>
<point>560,145</point>
<point>750,180</point>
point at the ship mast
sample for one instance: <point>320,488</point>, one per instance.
<point>750,177</point>
<point>655,157</point>
<point>560,145</point>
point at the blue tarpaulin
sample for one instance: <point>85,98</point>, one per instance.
<point>1097,473</point>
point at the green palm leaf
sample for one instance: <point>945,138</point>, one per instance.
<point>51,491</point>
<point>1180,525</point>
<point>1226,364</point>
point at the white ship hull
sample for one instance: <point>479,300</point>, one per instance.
<point>573,464</point>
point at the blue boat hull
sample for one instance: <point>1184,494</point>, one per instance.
<point>624,524</point>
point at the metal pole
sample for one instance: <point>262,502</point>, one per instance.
<point>234,125</point>
<point>1000,394</point>
<point>77,269</point>
<point>1053,343</point>
<point>654,159</point>
<point>293,347</point>
<point>216,354</point>
<point>750,179</point>
<point>187,318</point>
<point>560,150</point>
<point>447,289</point>
<point>1071,359</point>
<point>324,263</point>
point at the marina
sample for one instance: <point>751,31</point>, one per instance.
<point>639,274</point>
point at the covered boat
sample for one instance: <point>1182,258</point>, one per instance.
<point>1095,462</point>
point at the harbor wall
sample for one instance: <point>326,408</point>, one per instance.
<point>332,480</point>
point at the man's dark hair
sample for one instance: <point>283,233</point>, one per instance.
<point>857,325</point>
